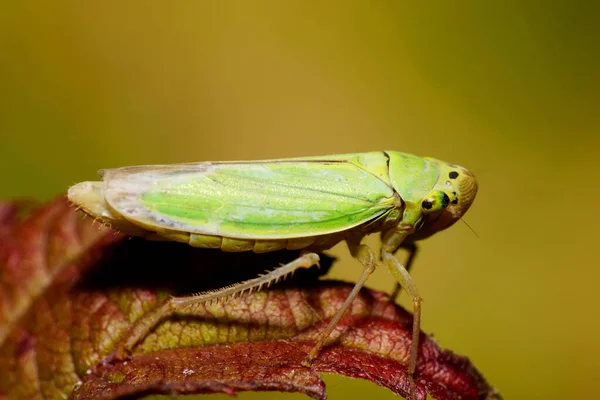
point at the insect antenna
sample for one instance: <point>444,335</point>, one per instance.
<point>469,226</point>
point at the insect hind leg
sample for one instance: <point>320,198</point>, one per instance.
<point>178,304</point>
<point>251,285</point>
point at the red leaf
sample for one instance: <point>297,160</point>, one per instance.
<point>71,292</point>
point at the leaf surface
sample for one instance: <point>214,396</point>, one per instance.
<point>71,292</point>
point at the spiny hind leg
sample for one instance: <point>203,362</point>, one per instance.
<point>367,258</point>
<point>178,304</point>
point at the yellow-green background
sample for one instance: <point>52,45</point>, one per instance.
<point>508,89</point>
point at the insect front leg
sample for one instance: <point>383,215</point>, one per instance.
<point>179,304</point>
<point>412,249</point>
<point>367,258</point>
<point>392,241</point>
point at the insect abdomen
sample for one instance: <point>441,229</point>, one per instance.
<point>238,245</point>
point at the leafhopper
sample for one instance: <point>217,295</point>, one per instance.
<point>309,203</point>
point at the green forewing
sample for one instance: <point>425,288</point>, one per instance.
<point>280,199</point>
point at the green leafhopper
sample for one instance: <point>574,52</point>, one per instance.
<point>308,203</point>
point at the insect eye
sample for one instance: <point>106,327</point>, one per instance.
<point>436,201</point>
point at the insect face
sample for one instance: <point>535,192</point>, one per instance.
<point>450,199</point>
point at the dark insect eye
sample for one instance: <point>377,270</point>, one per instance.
<point>427,204</point>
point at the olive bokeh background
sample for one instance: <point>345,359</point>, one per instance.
<point>509,89</point>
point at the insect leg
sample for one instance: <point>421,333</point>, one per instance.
<point>304,261</point>
<point>367,258</point>
<point>412,249</point>
<point>391,242</point>
<point>178,304</point>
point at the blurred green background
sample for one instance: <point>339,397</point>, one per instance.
<point>509,89</point>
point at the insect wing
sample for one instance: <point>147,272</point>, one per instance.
<point>260,200</point>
